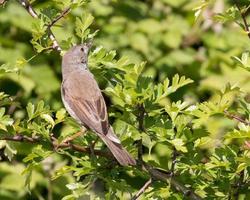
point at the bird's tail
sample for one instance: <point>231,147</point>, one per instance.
<point>119,152</point>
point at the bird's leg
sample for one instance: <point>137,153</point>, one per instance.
<point>93,143</point>
<point>92,147</point>
<point>76,135</point>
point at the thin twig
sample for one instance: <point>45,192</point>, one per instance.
<point>237,118</point>
<point>32,12</point>
<point>157,174</point>
<point>74,136</point>
<point>174,155</point>
<point>243,16</point>
<point>63,14</point>
<point>14,104</point>
<point>142,190</point>
<point>141,128</point>
<point>238,185</point>
<point>21,138</point>
<point>174,160</point>
<point>33,140</point>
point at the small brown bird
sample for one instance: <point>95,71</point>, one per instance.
<point>83,100</point>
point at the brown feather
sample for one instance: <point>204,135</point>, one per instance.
<point>84,101</point>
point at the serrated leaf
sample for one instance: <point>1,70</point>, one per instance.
<point>48,119</point>
<point>9,151</point>
<point>179,145</point>
<point>40,106</point>
<point>241,167</point>
<point>61,114</point>
<point>30,110</point>
<point>2,111</point>
<point>82,25</point>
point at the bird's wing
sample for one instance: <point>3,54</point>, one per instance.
<point>84,98</point>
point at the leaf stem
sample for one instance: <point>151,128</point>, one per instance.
<point>32,12</point>
<point>243,16</point>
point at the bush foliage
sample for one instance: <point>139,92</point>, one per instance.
<point>175,76</point>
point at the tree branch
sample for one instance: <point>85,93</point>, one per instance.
<point>237,118</point>
<point>21,138</point>
<point>32,12</point>
<point>167,177</point>
<point>142,190</point>
<point>243,16</point>
<point>238,186</point>
<point>156,174</point>
<point>63,14</point>
<point>141,128</point>
<point>33,140</point>
<point>174,155</point>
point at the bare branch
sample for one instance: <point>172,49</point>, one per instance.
<point>74,136</point>
<point>167,177</point>
<point>33,140</point>
<point>243,16</point>
<point>141,128</point>
<point>32,12</point>
<point>63,14</point>
<point>237,118</point>
<point>142,190</point>
<point>21,138</point>
<point>174,155</point>
<point>156,174</point>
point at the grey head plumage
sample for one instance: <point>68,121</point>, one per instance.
<point>76,58</point>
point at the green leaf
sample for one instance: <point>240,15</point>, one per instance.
<point>244,61</point>
<point>9,151</point>
<point>82,24</point>
<point>220,194</point>
<point>241,167</point>
<point>30,110</point>
<point>5,120</point>
<point>163,90</point>
<point>48,119</point>
<point>8,68</point>
<point>21,62</point>
<point>179,145</point>
<point>60,115</point>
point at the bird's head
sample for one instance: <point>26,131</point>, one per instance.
<point>77,55</point>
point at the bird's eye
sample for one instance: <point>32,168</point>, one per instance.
<point>82,49</point>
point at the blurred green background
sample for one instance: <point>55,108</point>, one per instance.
<point>164,33</point>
